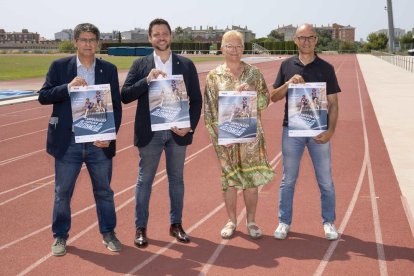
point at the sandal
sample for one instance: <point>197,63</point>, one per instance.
<point>254,231</point>
<point>228,230</point>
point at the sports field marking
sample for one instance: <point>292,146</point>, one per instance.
<point>207,266</point>
<point>91,226</point>
<point>24,121</point>
<point>365,166</point>
<point>23,110</point>
<point>192,228</point>
<point>13,159</point>
<point>23,135</point>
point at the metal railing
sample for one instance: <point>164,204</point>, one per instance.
<point>405,62</point>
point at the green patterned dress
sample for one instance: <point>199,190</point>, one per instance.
<point>243,165</point>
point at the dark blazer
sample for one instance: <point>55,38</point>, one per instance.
<point>55,91</point>
<point>136,88</point>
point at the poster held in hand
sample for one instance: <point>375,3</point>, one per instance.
<point>237,120</point>
<point>307,109</point>
<point>168,103</point>
<point>92,113</point>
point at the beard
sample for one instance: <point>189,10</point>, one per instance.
<point>163,48</point>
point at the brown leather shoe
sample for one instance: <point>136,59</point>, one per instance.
<point>177,231</point>
<point>141,238</point>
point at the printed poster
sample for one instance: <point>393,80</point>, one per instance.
<point>92,113</point>
<point>168,102</point>
<point>307,109</point>
<point>237,119</point>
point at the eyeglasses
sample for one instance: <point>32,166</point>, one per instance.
<point>233,47</point>
<point>88,40</point>
<point>308,38</point>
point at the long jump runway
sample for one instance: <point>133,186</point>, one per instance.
<point>375,234</point>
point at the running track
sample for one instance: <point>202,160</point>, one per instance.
<point>375,240</point>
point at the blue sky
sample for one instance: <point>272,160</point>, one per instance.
<point>47,17</point>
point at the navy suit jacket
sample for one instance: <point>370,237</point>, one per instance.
<point>55,91</point>
<point>136,88</point>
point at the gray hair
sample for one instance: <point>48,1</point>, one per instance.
<point>86,27</point>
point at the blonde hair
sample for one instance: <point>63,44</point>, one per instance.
<point>232,34</point>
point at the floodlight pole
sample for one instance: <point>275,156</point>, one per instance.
<point>390,26</point>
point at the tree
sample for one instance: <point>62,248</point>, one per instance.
<point>180,35</point>
<point>407,38</point>
<point>349,47</point>
<point>325,41</point>
<point>376,42</point>
<point>66,47</point>
<point>278,36</point>
<point>407,41</point>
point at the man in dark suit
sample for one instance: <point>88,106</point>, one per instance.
<point>82,69</point>
<point>151,143</point>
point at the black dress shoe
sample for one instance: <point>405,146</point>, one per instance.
<point>177,231</point>
<point>141,238</point>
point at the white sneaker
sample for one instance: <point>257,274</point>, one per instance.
<point>281,231</point>
<point>330,231</point>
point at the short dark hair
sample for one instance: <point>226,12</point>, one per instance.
<point>86,27</point>
<point>158,21</point>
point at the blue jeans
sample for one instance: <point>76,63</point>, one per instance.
<point>292,150</point>
<point>67,170</point>
<point>148,164</point>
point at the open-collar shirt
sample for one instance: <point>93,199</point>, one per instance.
<point>165,67</point>
<point>83,72</point>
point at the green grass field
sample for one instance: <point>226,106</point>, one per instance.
<point>20,66</point>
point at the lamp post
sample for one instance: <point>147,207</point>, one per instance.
<point>388,8</point>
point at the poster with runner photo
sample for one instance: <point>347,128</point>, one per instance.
<point>307,109</point>
<point>237,117</point>
<point>168,102</point>
<point>92,113</point>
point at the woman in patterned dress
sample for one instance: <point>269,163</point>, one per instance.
<point>244,166</point>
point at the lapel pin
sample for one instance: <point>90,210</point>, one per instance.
<point>178,62</point>
<point>101,71</point>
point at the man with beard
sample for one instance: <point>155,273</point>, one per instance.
<point>160,63</point>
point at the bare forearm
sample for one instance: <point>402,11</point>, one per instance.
<point>279,93</point>
<point>333,111</point>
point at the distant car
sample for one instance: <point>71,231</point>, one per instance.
<point>411,52</point>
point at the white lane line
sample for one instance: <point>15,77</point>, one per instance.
<point>375,213</point>
<point>24,121</point>
<point>34,152</point>
<point>192,228</point>
<point>10,160</point>
<point>345,220</point>
<point>38,187</point>
<point>22,110</point>
<point>23,135</point>
<point>206,268</point>
<point>34,132</point>
<point>27,184</point>
<point>191,157</point>
<point>80,234</point>
<point>72,216</point>
<point>25,193</point>
<point>221,246</point>
<point>366,165</point>
<point>76,237</point>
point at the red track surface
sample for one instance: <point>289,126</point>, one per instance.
<point>375,240</point>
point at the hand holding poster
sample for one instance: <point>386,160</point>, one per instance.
<point>92,113</point>
<point>307,109</point>
<point>168,102</point>
<point>237,122</point>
